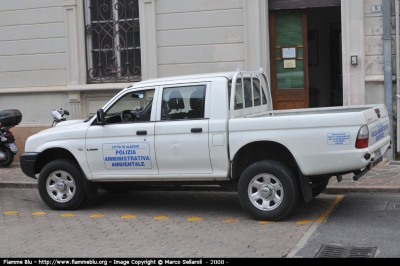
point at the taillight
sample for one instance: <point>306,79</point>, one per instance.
<point>362,138</point>
<point>8,134</point>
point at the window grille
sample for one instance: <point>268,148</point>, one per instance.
<point>112,41</point>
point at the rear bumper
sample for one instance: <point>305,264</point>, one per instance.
<point>27,162</point>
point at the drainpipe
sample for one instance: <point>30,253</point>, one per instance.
<point>397,6</point>
<point>387,55</point>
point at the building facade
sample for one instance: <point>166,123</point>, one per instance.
<point>77,54</point>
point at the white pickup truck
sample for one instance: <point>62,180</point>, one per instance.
<point>207,129</point>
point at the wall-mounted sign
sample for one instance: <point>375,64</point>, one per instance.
<point>376,9</point>
<point>289,63</point>
<point>289,52</point>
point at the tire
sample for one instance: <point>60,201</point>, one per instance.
<point>318,188</point>
<point>9,157</point>
<point>115,188</point>
<point>268,190</point>
<point>61,185</point>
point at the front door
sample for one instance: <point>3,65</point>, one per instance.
<point>289,59</point>
<point>124,145</point>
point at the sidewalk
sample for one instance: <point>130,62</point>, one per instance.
<point>385,177</point>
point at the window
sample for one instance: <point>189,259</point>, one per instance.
<point>183,102</point>
<point>249,96</point>
<point>112,41</point>
<point>132,107</point>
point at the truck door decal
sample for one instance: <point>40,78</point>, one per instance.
<point>340,138</point>
<point>127,155</point>
<point>379,131</point>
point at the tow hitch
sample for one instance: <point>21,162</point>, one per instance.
<point>371,165</point>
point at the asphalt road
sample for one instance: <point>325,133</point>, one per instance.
<point>197,224</point>
<point>150,224</point>
<point>370,221</point>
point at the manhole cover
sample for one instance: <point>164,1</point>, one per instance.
<point>330,251</point>
<point>393,206</point>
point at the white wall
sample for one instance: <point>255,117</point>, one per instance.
<point>32,44</point>
<point>353,44</point>
<point>199,36</point>
<point>374,72</point>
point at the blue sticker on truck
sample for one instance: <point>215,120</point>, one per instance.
<point>128,155</point>
<point>379,131</point>
<point>340,138</point>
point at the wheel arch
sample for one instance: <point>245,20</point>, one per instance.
<point>52,154</point>
<point>262,150</point>
<point>269,150</point>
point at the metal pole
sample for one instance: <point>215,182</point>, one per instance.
<point>397,5</point>
<point>387,54</point>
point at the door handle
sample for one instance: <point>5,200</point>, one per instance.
<point>196,130</point>
<point>141,132</point>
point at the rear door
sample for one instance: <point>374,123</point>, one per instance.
<point>181,130</point>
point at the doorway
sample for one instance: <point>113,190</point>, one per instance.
<point>306,57</point>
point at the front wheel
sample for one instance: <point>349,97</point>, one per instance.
<point>61,185</point>
<point>268,190</point>
<point>9,156</point>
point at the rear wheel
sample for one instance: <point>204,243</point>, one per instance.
<point>9,156</point>
<point>61,185</point>
<point>268,190</point>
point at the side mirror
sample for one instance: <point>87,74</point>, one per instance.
<point>100,116</point>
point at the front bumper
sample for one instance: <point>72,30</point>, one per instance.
<point>27,161</point>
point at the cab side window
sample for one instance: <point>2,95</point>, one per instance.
<point>132,107</point>
<point>183,102</point>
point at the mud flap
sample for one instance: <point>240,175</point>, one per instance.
<point>306,188</point>
<point>90,188</point>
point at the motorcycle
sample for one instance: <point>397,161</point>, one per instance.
<point>8,148</point>
<point>58,116</point>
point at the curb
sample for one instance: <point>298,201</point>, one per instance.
<point>362,189</point>
<point>331,190</point>
<point>5,184</point>
<point>334,188</point>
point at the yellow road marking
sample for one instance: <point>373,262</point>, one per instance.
<point>128,216</point>
<point>38,213</point>
<point>194,218</point>
<point>265,222</point>
<point>230,220</point>
<point>10,212</point>
<point>304,222</point>
<point>96,215</point>
<point>324,216</point>
<point>67,215</point>
<point>159,218</point>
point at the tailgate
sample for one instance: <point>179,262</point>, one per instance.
<point>378,123</point>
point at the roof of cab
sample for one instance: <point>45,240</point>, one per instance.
<point>228,75</point>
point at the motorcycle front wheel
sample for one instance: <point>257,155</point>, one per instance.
<point>9,156</point>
